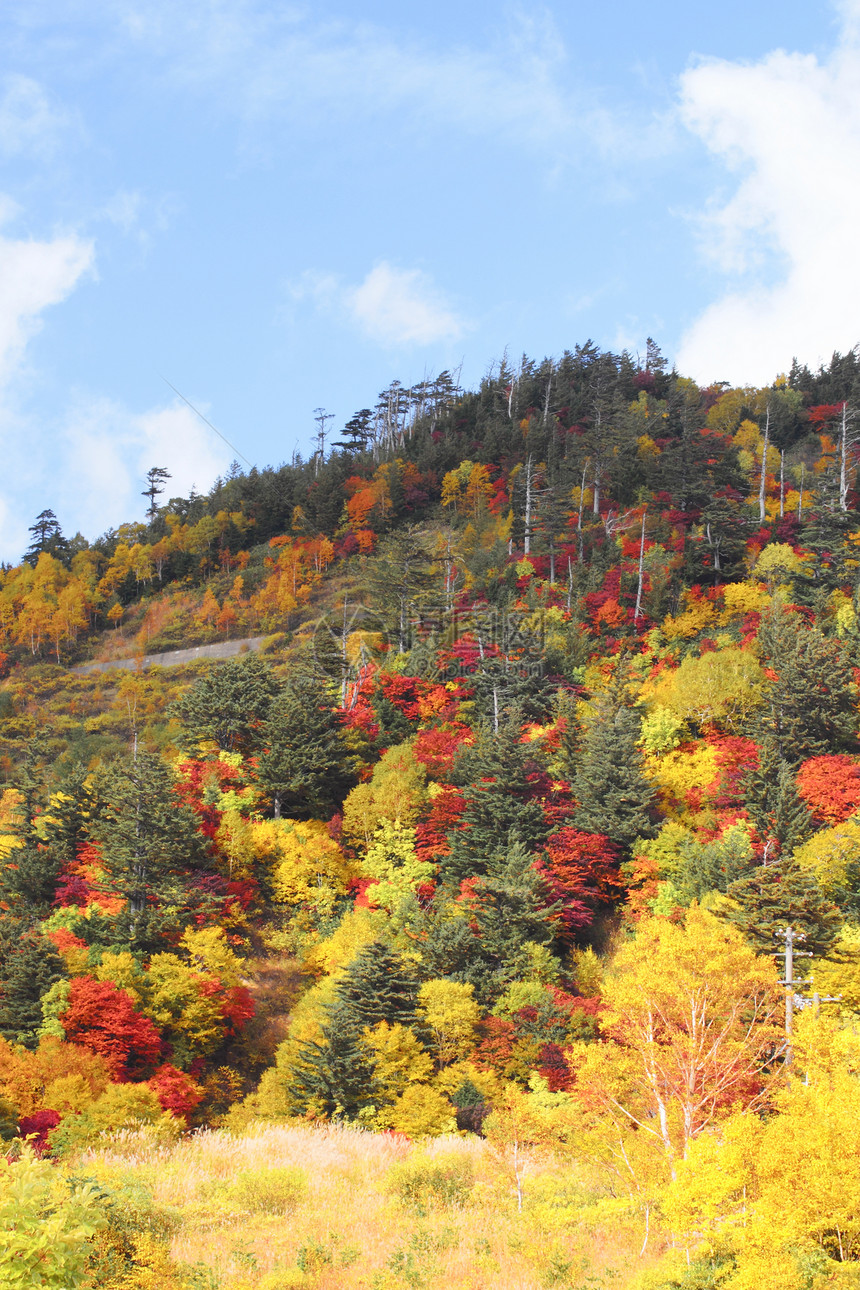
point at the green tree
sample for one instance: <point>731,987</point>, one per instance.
<point>782,894</point>
<point>379,986</point>
<point>612,793</point>
<point>155,480</point>
<point>825,537</point>
<point>501,807</point>
<point>229,707</point>
<point>29,966</point>
<point>333,1075</point>
<point>513,911</point>
<point>305,768</point>
<point>28,880</point>
<point>401,575</point>
<point>71,810</point>
<point>150,848</point>
<point>810,705</point>
<point>47,538</point>
<point>773,803</point>
<point>486,939</point>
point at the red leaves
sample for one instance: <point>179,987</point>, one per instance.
<point>176,1091</point>
<point>403,692</point>
<point>824,413</point>
<point>64,940</point>
<point>582,871</point>
<point>436,748</point>
<point>103,1019</point>
<point>237,1007</point>
<point>444,815</point>
<point>36,1127</point>
<point>830,787</point>
<point>735,756</point>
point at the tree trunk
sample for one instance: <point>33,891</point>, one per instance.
<point>761,488</point>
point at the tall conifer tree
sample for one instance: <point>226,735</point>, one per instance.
<point>613,795</point>
<point>500,809</point>
<point>305,767</point>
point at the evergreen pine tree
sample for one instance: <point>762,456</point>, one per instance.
<point>229,706</point>
<point>74,806</point>
<point>782,894</point>
<point>47,539</point>
<point>449,945</point>
<point>810,705</point>
<point>150,848</point>
<point>378,986</point>
<point>513,910</point>
<point>701,868</point>
<point>334,1077</point>
<point>28,880</point>
<point>401,576</point>
<point>512,687</point>
<point>773,803</point>
<point>500,808</point>
<point>486,942</point>
<point>29,966</point>
<point>825,536</point>
<point>613,795</point>
<point>305,768</point>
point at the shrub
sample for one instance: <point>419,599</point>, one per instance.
<point>444,1179</point>
<point>46,1222</point>
<point>267,1190</point>
<point>420,1111</point>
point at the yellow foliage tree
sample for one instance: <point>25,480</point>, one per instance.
<point>174,999</point>
<point>398,1059</point>
<point>421,1111</point>
<point>308,866</point>
<point>451,1014</point>
<point>210,952</point>
<point>774,1199</point>
<point>831,853</point>
<point>692,1016</point>
<point>716,689</point>
<point>391,860</point>
<point>395,792</point>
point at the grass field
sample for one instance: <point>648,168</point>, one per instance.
<point>336,1208</point>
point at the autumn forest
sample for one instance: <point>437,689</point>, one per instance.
<point>476,901</point>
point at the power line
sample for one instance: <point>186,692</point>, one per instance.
<point>208,422</point>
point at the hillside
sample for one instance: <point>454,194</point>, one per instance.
<point>537,730</point>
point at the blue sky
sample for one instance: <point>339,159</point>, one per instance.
<point>278,207</point>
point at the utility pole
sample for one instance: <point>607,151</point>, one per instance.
<point>790,937</point>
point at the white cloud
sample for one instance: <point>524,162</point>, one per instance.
<point>402,306</point>
<point>29,123</point>
<point>107,451</point>
<point>280,60</point>
<point>790,126</point>
<point>391,306</point>
<point>33,276</point>
<point>91,469</point>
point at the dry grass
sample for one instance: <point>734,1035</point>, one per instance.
<point>327,1207</point>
